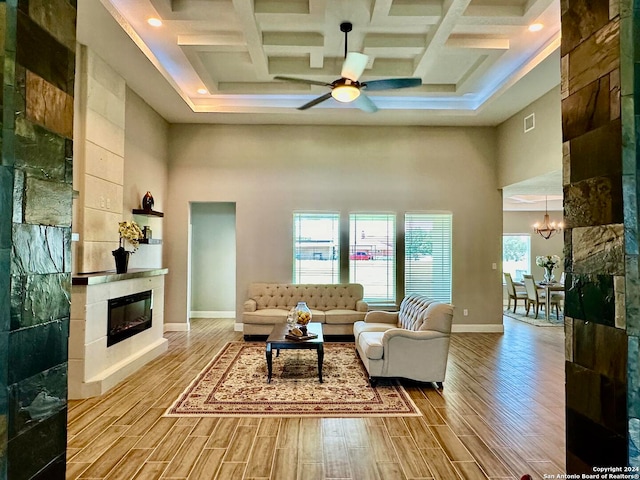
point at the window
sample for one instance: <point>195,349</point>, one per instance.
<point>316,248</point>
<point>516,255</point>
<point>427,269</point>
<point>372,255</point>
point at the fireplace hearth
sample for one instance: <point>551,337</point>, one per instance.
<point>129,316</point>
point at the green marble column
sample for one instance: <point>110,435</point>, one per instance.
<point>600,122</point>
<point>35,235</point>
<point>630,74</point>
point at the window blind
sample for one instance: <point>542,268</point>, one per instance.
<point>428,255</point>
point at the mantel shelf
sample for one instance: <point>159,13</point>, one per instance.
<point>148,213</point>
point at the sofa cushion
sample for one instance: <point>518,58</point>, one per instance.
<point>266,316</point>
<point>318,316</point>
<point>271,316</point>
<point>370,344</point>
<point>360,327</point>
<point>338,316</point>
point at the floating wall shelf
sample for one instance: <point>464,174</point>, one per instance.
<point>151,241</point>
<point>148,213</point>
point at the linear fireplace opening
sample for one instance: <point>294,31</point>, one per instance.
<point>129,316</point>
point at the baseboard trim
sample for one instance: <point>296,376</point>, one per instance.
<point>177,327</point>
<point>472,328</point>
<point>213,314</point>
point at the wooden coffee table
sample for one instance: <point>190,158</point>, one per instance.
<point>277,340</point>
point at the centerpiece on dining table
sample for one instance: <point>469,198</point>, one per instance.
<point>549,263</point>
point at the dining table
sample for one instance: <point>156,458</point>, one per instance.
<point>549,288</point>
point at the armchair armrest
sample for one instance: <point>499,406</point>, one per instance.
<point>362,306</point>
<point>379,316</point>
<point>250,306</point>
<point>421,355</point>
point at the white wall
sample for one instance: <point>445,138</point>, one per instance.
<point>146,151</point>
<point>270,171</point>
<point>98,165</point>
<point>213,258</point>
<point>521,155</point>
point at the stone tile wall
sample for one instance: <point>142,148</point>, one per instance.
<point>597,237</point>
<point>35,232</point>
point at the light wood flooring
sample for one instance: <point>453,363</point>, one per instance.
<point>500,415</point>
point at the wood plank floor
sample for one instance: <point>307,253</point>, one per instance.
<point>500,415</point>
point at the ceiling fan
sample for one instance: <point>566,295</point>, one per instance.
<point>347,88</point>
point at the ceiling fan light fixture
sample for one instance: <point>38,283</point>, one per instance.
<point>345,93</point>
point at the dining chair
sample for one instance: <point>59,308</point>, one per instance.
<point>537,299</point>
<point>514,292</point>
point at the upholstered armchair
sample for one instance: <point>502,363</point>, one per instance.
<point>411,343</point>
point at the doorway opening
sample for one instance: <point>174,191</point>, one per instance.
<point>212,262</point>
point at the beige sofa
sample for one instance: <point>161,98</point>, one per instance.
<point>412,343</point>
<point>336,306</point>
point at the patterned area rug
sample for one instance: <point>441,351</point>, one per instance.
<point>234,383</point>
<point>521,314</point>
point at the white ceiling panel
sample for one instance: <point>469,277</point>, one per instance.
<point>466,54</point>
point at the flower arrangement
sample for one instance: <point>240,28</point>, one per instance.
<point>548,261</point>
<point>130,231</point>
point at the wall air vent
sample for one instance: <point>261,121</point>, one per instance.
<point>529,122</point>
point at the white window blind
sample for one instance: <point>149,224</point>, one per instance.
<point>428,255</point>
<point>372,255</point>
<point>316,248</point>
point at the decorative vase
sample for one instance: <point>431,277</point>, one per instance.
<point>303,314</point>
<point>147,202</point>
<point>122,259</point>
<point>548,275</point>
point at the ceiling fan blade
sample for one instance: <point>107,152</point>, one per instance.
<point>315,101</point>
<point>302,80</point>
<point>392,83</point>
<point>365,104</point>
<point>354,65</point>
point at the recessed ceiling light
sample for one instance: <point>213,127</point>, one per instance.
<point>203,91</point>
<point>535,27</point>
<point>154,22</point>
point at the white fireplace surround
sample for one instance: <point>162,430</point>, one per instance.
<point>95,368</point>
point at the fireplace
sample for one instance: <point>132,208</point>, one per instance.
<point>128,316</point>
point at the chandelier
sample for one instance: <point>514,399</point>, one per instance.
<point>547,229</point>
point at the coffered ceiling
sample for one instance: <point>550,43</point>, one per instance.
<point>215,60</point>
